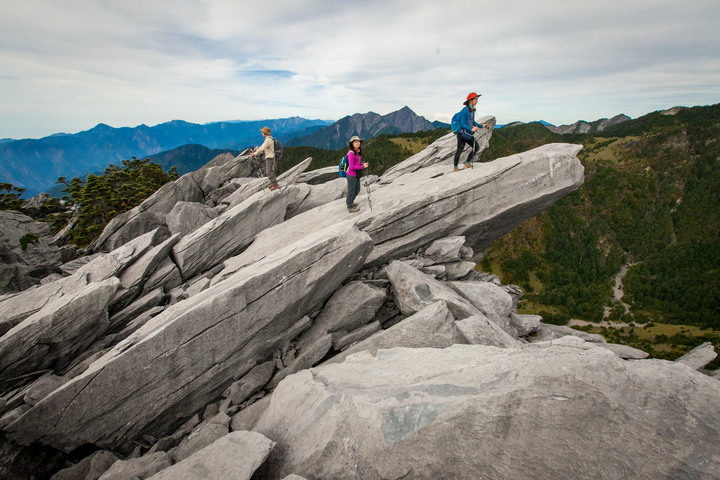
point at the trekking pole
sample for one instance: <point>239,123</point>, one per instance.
<point>367,187</point>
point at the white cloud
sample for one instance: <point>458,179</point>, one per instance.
<point>69,64</point>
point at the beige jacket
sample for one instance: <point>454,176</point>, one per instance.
<point>267,148</point>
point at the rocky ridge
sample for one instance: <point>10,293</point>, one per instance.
<point>273,335</point>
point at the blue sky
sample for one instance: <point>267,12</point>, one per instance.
<point>68,65</point>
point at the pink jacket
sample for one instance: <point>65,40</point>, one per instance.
<point>354,163</point>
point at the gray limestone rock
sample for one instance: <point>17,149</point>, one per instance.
<point>115,262</point>
<point>320,195</point>
<point>234,456</point>
<point>16,308</point>
<point>89,468</point>
<point>415,290</point>
<point>166,276</point>
<point>458,270</point>
<point>27,250</point>
<point>186,217</point>
<point>491,300</point>
<point>441,151</point>
<point>445,250</point>
<point>361,333</point>
<point>478,330</point>
<point>433,326</point>
<point>186,356</point>
<point>250,383</point>
<point>52,337</point>
<point>541,411</point>
<point>350,307</point>
<point>319,176</point>
<point>482,204</point>
<point>133,278</point>
<point>699,356</point>
<point>558,331</point>
<point>120,320</point>
<point>150,214</point>
<point>141,467</point>
<point>42,387</point>
<point>525,324</point>
<point>203,435</point>
<point>246,418</point>
<point>308,357</point>
<point>231,232</point>
<point>625,351</point>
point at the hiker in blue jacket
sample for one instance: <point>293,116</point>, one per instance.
<point>468,127</point>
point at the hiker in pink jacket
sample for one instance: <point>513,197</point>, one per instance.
<point>354,173</point>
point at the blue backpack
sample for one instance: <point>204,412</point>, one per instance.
<point>343,167</point>
<point>455,123</point>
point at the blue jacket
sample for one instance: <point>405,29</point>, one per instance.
<point>467,122</point>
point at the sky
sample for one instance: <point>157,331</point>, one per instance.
<point>67,65</point>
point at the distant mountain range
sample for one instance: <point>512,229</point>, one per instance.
<point>581,126</point>
<point>365,125</point>
<point>36,164</point>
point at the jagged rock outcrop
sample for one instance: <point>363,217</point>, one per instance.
<point>208,324</point>
<point>469,411</point>
<point>189,351</point>
<point>27,252</point>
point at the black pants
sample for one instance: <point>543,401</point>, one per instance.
<point>353,184</point>
<point>461,146</point>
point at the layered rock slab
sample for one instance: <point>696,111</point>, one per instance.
<point>465,412</point>
<point>432,203</point>
<point>186,356</point>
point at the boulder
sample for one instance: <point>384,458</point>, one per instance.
<point>235,456</point>
<point>445,250</point>
<point>133,278</point>
<point>309,356</point>
<point>189,354</point>
<point>320,175</point>
<point>625,351</point>
<point>494,302</point>
<point>203,435</point>
<point>548,331</point>
<point>141,467</point>
<point>89,468</point>
<point>479,330</point>
<point>186,217</point>
<point>231,232</point>
<point>544,411</point>
<point>42,387</point>
<point>27,250</point>
<point>350,307</point>
<point>525,324</point>
<point>16,308</point>
<point>320,195</point>
<point>415,290</point>
<point>52,337</point>
<point>433,326</point>
<point>252,382</point>
<point>699,356</point>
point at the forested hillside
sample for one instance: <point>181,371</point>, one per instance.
<point>650,201</point>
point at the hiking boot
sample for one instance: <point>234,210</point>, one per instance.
<point>456,169</point>
<point>353,209</point>
<point>468,165</point>
<point>274,187</point>
<point>354,204</point>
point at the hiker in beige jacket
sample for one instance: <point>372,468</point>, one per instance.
<point>268,151</point>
